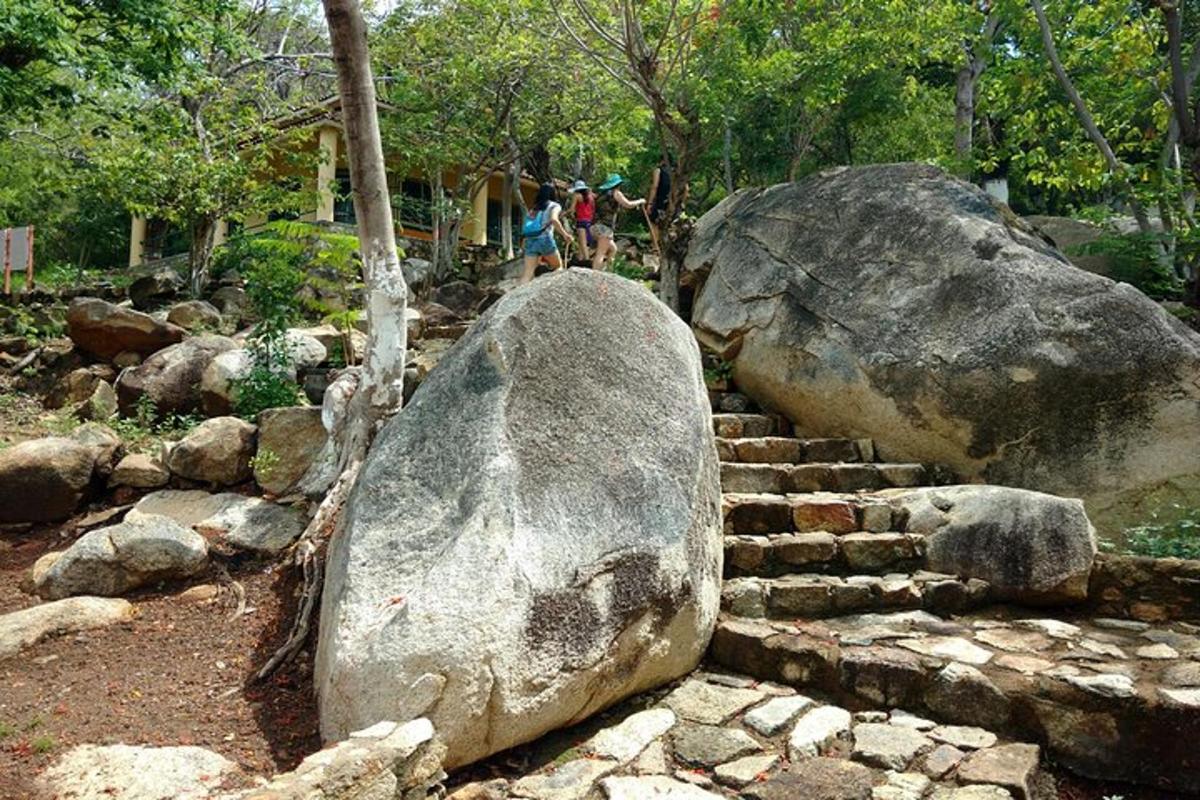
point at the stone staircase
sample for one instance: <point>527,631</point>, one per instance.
<point>826,591</point>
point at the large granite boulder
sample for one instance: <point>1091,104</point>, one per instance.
<point>290,440</point>
<point>156,288</point>
<point>538,534</point>
<point>1073,238</point>
<point>43,480</point>
<point>104,330</point>
<point>195,315</point>
<point>1031,548</point>
<point>171,378</point>
<point>896,303</point>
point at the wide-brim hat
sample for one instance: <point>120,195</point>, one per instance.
<point>611,182</point>
<point>579,186</point>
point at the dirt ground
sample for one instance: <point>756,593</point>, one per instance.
<point>177,674</point>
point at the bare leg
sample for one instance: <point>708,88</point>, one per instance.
<point>553,260</point>
<point>530,266</point>
<point>581,237</point>
<point>603,246</point>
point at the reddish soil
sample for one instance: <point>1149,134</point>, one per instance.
<point>177,674</point>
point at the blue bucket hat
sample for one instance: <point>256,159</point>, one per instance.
<point>611,182</point>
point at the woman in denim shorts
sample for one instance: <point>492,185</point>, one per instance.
<point>541,247</point>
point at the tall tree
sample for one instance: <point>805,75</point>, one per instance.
<point>380,382</point>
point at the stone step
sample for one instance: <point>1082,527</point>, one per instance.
<point>829,477</point>
<point>859,553</point>
<point>718,735</point>
<point>788,450</point>
<point>761,513</point>
<point>1111,699</point>
<point>731,402</point>
<point>738,426</point>
<point>817,596</point>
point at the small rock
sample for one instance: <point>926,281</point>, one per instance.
<point>1056,629</point>
<point>941,760</point>
<point>744,770</point>
<point>1102,648</point>
<point>816,729</point>
<point>653,760</point>
<point>951,647</point>
<point>961,693</point>
<point>481,790</point>
<point>709,745</point>
<point>1157,652</point>
<point>570,781</point>
<point>111,561</point>
<point>200,593</point>
<point>815,779</point>
<point>293,438</point>
<point>1105,685</point>
<point>140,471</point>
<point>625,741</point>
<point>964,737</point>
<point>1014,641</point>
<point>1131,625</point>
<point>658,787</point>
<point>971,793</point>
<point>89,772</point>
<point>193,315</point>
<point>703,702</point>
<point>1185,698</point>
<point>773,716</point>
<point>1182,675</point>
<point>27,627</point>
<point>1012,766</point>
<point>888,746</point>
<point>1026,665</point>
<point>907,720</point>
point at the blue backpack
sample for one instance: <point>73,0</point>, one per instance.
<point>534,226</point>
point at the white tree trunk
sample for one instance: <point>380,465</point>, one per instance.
<point>380,379</point>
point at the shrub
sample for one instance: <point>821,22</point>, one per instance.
<point>1177,539</point>
<point>263,388</point>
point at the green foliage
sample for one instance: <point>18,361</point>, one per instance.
<point>1134,259</point>
<point>146,429</point>
<point>1179,538</point>
<point>627,269</point>
<point>42,744</point>
<point>264,463</point>
<point>263,388</point>
<point>7,729</point>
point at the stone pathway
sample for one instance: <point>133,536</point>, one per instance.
<point>826,590</point>
<point>720,735</point>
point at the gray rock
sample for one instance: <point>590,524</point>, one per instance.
<point>626,740</point>
<point>90,772</point>
<point>105,330</point>
<point>155,288</point>
<point>570,781</point>
<point>43,480</point>
<point>114,560</point>
<point>772,717</point>
<point>961,693</point>
<point>171,377</point>
<point>293,438</point>
<point>1012,766</point>
<point>140,471</point>
<point>27,627</point>
<point>1029,547</point>
<point>192,315</point>
<point>700,701</point>
<point>104,443</point>
<point>658,787</point>
<point>950,333</point>
<point>965,737</point>
<point>709,745</point>
<point>1105,685</point>
<point>584,549</point>
<point>888,746</point>
<point>744,770</point>
<point>217,452</point>
<point>816,729</point>
<point>941,760</point>
<point>247,523</point>
<point>816,779</point>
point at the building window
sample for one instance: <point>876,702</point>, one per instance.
<point>414,205</point>
<point>343,200</point>
<point>495,213</point>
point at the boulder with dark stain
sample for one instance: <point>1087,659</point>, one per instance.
<point>897,303</point>
<point>538,534</point>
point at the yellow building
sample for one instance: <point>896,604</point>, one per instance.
<point>331,178</point>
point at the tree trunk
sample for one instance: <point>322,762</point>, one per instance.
<point>435,220</point>
<point>727,156</point>
<point>204,231</point>
<point>506,208</point>
<point>1088,123</point>
<point>964,118</point>
<point>380,378</point>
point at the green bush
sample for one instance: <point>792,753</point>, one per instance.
<point>1135,261</point>
<point>261,389</point>
<point>1177,539</point>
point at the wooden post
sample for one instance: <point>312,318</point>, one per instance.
<point>29,259</point>
<point>8,261</point>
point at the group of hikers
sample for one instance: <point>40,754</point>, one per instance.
<point>593,215</point>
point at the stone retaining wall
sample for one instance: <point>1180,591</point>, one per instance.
<point>1146,589</point>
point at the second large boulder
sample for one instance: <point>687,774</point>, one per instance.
<point>170,378</point>
<point>897,303</point>
<point>538,534</point>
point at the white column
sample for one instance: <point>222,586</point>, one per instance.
<point>137,241</point>
<point>326,172</point>
<point>477,225</point>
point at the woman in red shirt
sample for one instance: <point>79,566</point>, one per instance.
<point>582,208</point>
